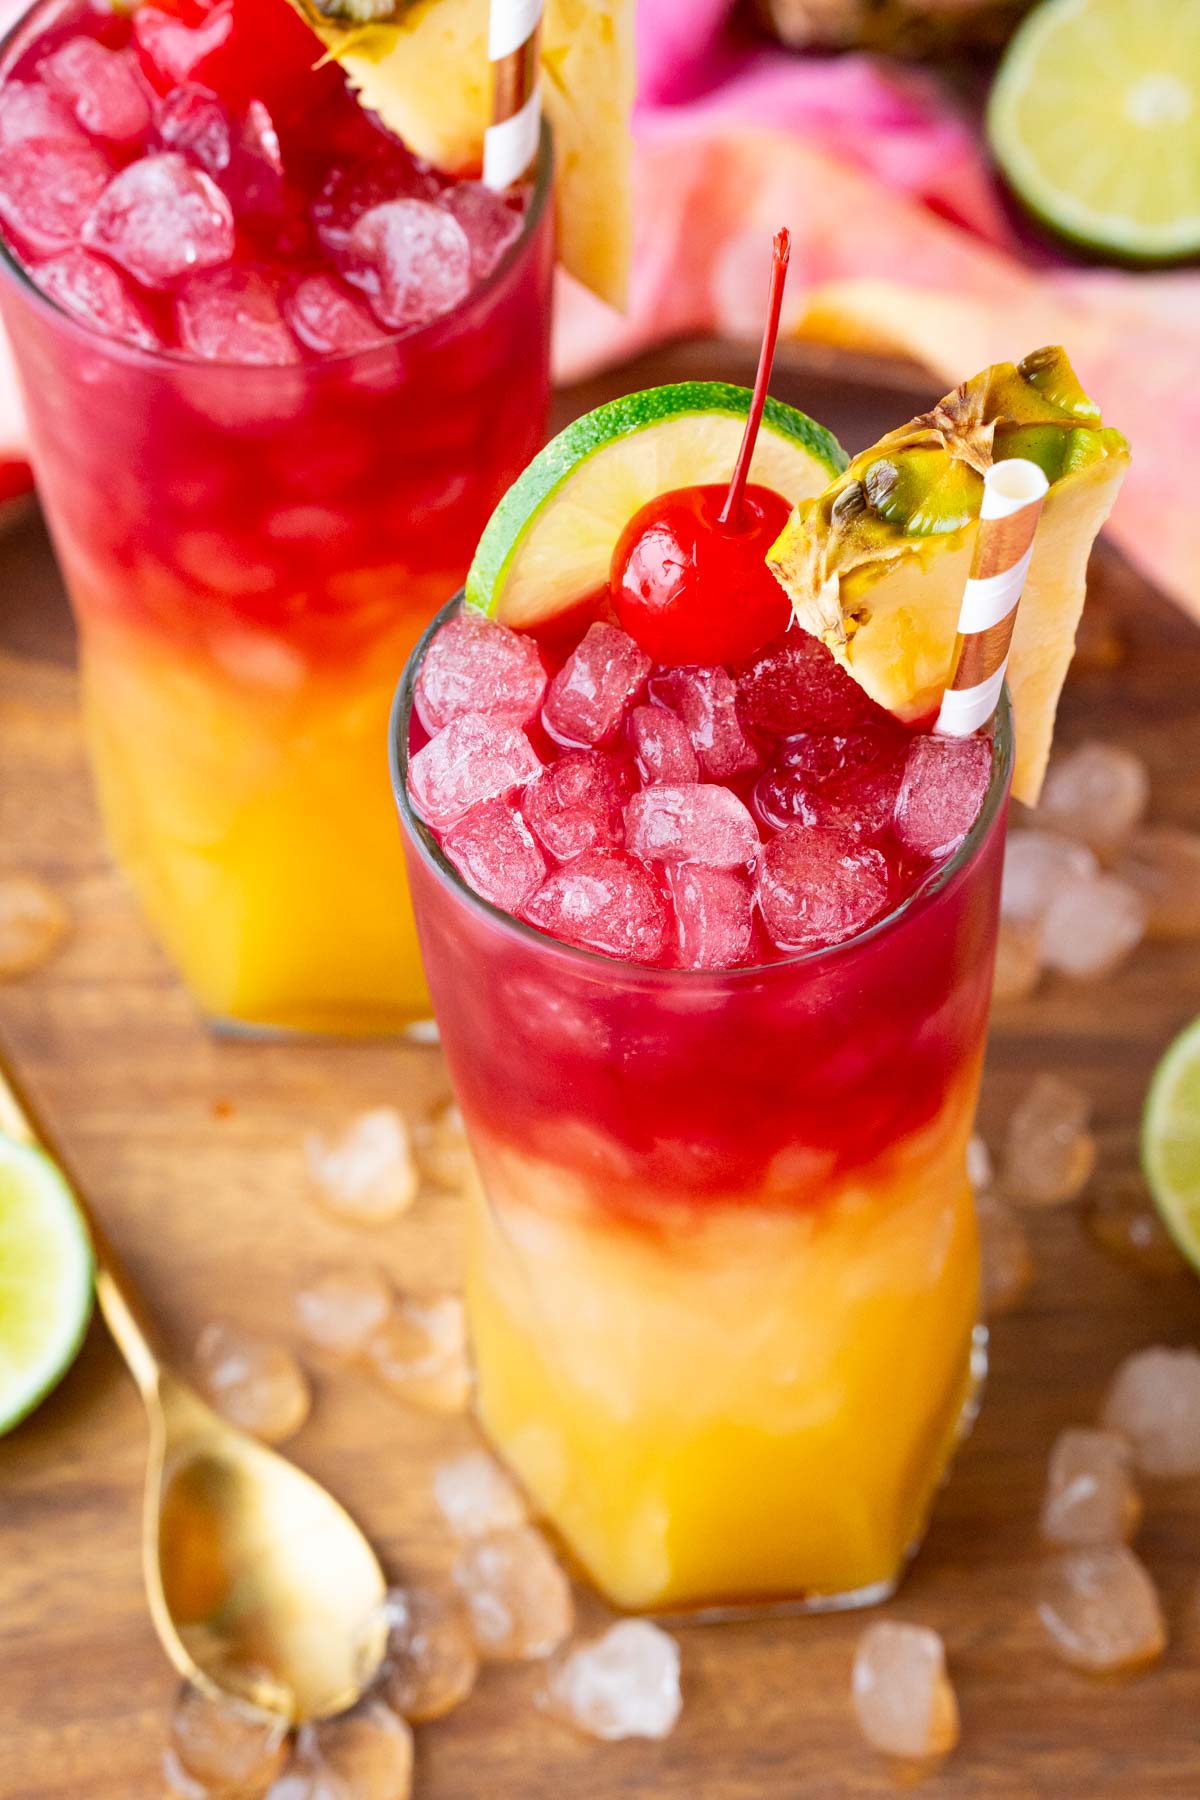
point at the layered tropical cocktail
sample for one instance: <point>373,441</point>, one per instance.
<point>278,370</point>
<point>709,933</point>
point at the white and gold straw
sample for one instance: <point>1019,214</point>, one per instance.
<point>510,142</point>
<point>1013,492</point>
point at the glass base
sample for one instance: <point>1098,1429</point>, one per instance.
<point>412,1031</point>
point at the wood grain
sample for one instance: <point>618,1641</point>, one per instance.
<point>191,1149</point>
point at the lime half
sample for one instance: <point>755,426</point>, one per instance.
<point>45,1279</point>
<point>550,541</point>
<point>1171,1140</point>
<point>1095,120</point>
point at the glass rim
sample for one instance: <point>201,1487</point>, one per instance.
<point>422,336</point>
<point>419,834</point>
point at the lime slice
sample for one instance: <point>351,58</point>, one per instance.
<point>550,541</point>
<point>45,1279</point>
<point>1171,1140</point>
<point>1095,120</point>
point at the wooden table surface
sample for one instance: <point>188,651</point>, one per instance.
<point>192,1151</point>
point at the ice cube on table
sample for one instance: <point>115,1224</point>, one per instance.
<point>366,1754</point>
<point>1100,1610</point>
<point>431,1663</point>
<point>942,790</point>
<point>818,887</point>
<point>29,110</point>
<point>33,923</point>
<point>413,261</point>
<point>160,218</point>
<point>575,805</point>
<point>420,1353</point>
<point>795,685</point>
<point>219,1745</point>
<point>354,188</point>
<point>1091,927</point>
<point>902,1695</point>
<point>1036,865</point>
<point>706,700</point>
<point>604,901</point>
<point>1049,1153</point>
<point>589,696</point>
<point>103,88</point>
<point>1123,1219</point>
<point>1154,1402</point>
<point>519,1599</point>
<point>1006,1261</point>
<point>169,50</point>
<point>442,1148</point>
<point>474,665</point>
<point>48,188</point>
<point>1090,1497</point>
<point>1162,864</point>
<point>490,224</point>
<point>252,1382</point>
<point>477,1496</point>
<point>339,1307</point>
<point>696,823</point>
<point>232,315</point>
<point>1096,793</point>
<point>475,758</point>
<point>193,122</point>
<point>714,918</point>
<point>662,746</point>
<point>622,1684</point>
<point>494,851</point>
<point>328,320</point>
<point>367,1175</point>
<point>1018,961</point>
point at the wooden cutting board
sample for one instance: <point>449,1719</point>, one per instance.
<point>192,1151</point>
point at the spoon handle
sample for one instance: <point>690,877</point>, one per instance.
<point>120,1303</point>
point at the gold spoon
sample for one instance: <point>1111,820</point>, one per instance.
<point>260,1585</point>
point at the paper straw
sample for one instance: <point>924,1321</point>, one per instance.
<point>1013,492</point>
<point>510,142</point>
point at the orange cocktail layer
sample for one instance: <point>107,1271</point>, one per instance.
<point>740,1403</point>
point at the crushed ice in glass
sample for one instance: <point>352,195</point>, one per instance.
<point>662,746</point>
<point>159,219</point>
<point>232,315</point>
<point>941,793</point>
<point>714,916</point>
<point>494,851</point>
<point>603,901</point>
<point>589,696</point>
<point>699,823</point>
<point>819,887</point>
<point>474,758</point>
<point>412,259</point>
<point>575,805</point>
<point>474,665</point>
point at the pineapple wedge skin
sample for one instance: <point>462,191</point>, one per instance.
<point>426,74</point>
<point>887,603</point>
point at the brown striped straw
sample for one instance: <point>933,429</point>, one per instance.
<point>510,142</point>
<point>1013,492</point>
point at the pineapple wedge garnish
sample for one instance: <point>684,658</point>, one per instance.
<point>423,67</point>
<point>876,565</point>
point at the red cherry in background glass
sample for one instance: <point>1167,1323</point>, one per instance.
<point>688,578</point>
<point>688,589</point>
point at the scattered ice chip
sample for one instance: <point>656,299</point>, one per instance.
<point>714,918</point>
<point>1018,961</point>
<point>48,191</point>
<point>368,1175</point>
<point>699,823</point>
<point>1036,865</point>
<point>494,851</point>
<point>1123,1219</point>
<point>706,700</point>
<point>902,1695</point>
<point>431,1662</point>
<point>29,110</point>
<point>420,1353</point>
<point>475,758</point>
<point>591,693</point>
<point>1006,1262</point>
<point>102,87</point>
<point>519,1599</point>
<point>1154,1402</point>
<point>33,923</point>
<point>1090,1497</point>
<point>1100,1609</point>
<point>232,316</point>
<point>818,887</point>
<point>662,746</point>
<point>160,218</point>
<point>474,665</point>
<point>945,780</point>
<point>222,1746</point>
<point>252,1382</point>
<point>575,805</point>
<point>169,50</point>
<point>622,1684</point>
<point>339,1308</point>
<point>1049,1153</point>
<point>366,1754</point>
<point>1092,926</point>
<point>1162,863</point>
<point>443,1150</point>
<point>355,188</point>
<point>412,260</point>
<point>1096,793</point>
<point>477,1496</point>
<point>980,1172</point>
<point>603,901</point>
<point>795,685</point>
<point>328,320</point>
<point>490,224</point>
<point>192,121</point>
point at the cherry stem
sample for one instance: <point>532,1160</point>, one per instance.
<point>730,514</point>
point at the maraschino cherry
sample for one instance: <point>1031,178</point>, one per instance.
<point>688,579</point>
